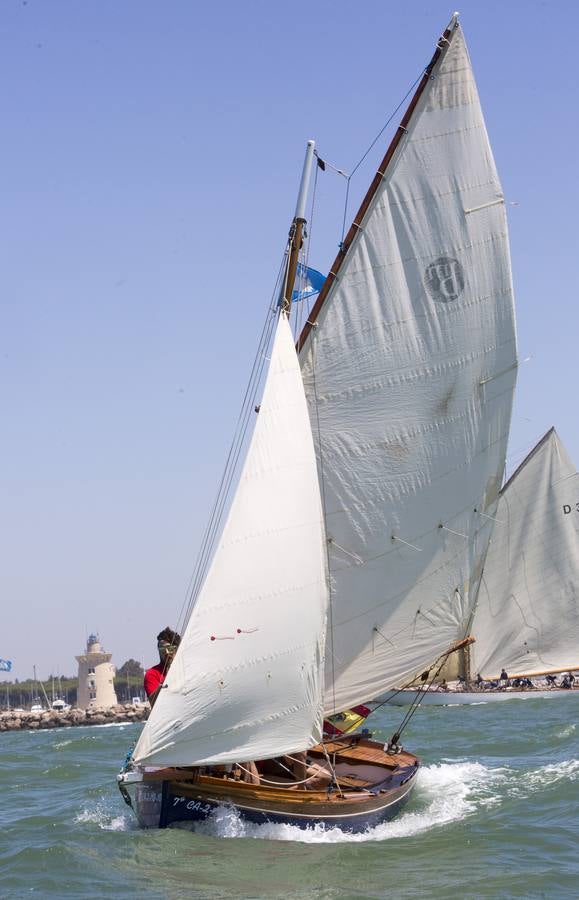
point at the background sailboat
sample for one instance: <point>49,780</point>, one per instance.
<point>408,362</point>
<point>527,613</point>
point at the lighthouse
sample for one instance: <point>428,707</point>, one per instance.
<point>95,676</point>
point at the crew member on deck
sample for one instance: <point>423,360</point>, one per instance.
<point>167,643</point>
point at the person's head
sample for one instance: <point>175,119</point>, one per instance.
<point>167,643</point>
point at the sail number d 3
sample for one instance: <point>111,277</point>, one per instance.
<point>444,279</point>
<point>567,508</point>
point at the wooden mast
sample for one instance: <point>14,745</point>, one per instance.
<point>442,46</point>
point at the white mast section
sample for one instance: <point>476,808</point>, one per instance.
<point>305,181</point>
<point>297,230</point>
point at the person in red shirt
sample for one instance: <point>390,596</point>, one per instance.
<point>167,643</point>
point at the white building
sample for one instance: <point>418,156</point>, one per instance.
<point>95,676</point>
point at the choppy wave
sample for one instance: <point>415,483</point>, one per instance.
<point>545,776</point>
<point>444,794</point>
<point>566,731</point>
<point>100,814</point>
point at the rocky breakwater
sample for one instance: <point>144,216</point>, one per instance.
<point>21,720</point>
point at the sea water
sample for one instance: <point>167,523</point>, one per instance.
<point>495,813</point>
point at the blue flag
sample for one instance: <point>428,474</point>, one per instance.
<point>310,281</point>
<point>5,665</point>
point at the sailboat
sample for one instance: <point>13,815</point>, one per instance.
<point>526,619</point>
<point>354,545</point>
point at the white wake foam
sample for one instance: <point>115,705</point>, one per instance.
<point>444,793</point>
<point>98,814</point>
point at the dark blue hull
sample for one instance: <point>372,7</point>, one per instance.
<point>177,809</point>
<point>162,804</point>
<point>374,785</point>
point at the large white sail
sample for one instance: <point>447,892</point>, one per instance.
<point>527,614</point>
<point>409,371</point>
<point>247,679</point>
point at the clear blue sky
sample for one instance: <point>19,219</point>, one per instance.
<point>150,159</point>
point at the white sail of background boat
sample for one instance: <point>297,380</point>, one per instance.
<point>527,612</point>
<point>408,362</point>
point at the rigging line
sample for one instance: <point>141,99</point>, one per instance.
<point>346,202</point>
<point>383,636</point>
<point>276,783</point>
<point>374,142</point>
<point>233,454</point>
<point>386,124</point>
<point>323,497</point>
<point>423,688</point>
<point>221,504</point>
<point>332,766</point>
<point>412,681</point>
<point>323,164</point>
<point>457,533</point>
<point>226,485</point>
<point>565,477</point>
<point>395,538</point>
<point>492,518</point>
<point>416,702</point>
<point>214,513</point>
<point>222,492</point>
<point>308,300</point>
<point>354,556</point>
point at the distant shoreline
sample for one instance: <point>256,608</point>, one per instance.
<point>18,720</point>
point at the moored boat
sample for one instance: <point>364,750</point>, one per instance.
<point>526,616</point>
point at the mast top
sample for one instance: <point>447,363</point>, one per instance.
<point>304,183</point>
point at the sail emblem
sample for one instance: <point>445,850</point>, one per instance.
<point>444,279</point>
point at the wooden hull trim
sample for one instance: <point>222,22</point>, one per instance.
<point>185,797</point>
<point>178,811</point>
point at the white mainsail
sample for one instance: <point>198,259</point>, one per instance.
<point>409,373</point>
<point>527,613</point>
<point>247,679</point>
